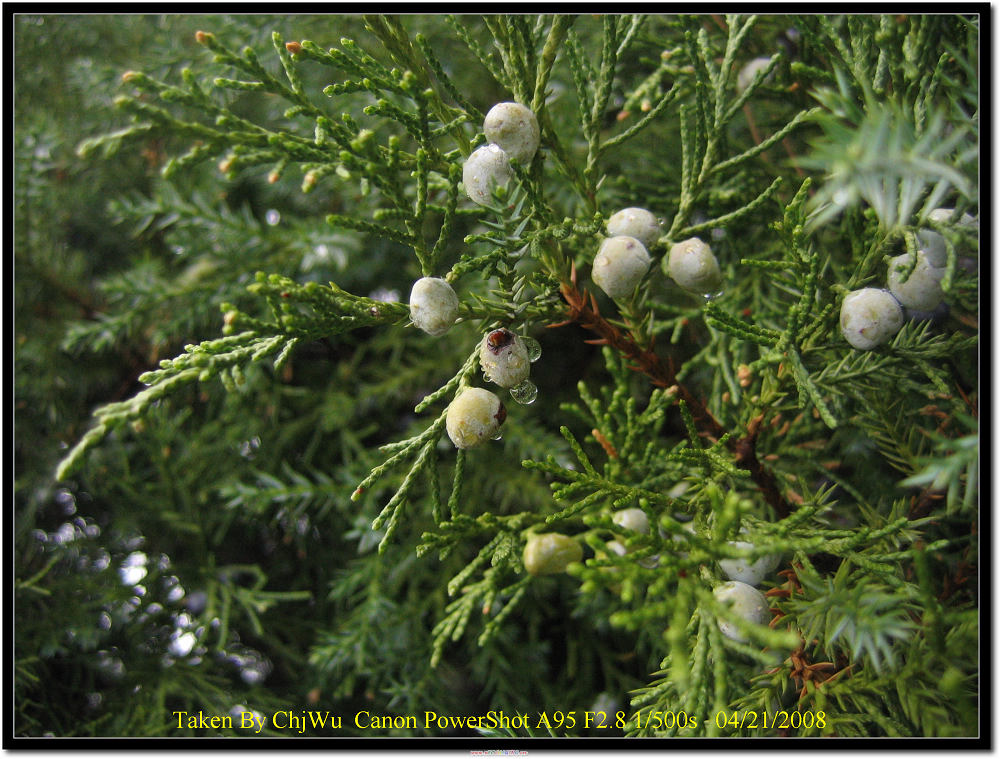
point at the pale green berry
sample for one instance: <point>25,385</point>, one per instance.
<point>747,74</point>
<point>922,289</point>
<point>631,519</point>
<point>747,602</point>
<point>620,265</point>
<point>550,553</point>
<point>743,570</point>
<point>933,246</point>
<point>504,358</point>
<point>433,305</point>
<point>634,520</point>
<point>869,318</point>
<point>932,243</point>
<point>635,222</point>
<point>474,417</point>
<point>486,168</point>
<point>692,265</point>
<point>514,128</point>
<point>943,215</point>
<point>616,547</point>
<point>611,549</point>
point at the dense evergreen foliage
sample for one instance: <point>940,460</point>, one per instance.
<point>235,490</point>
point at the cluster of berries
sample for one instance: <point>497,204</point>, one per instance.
<point>475,415</point>
<point>513,133</point>
<point>741,591</point>
<point>870,317</point>
<point>552,552</point>
<point>623,258</point>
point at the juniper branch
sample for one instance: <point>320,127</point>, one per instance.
<point>584,311</point>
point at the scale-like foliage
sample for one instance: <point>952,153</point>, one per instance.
<point>336,547</point>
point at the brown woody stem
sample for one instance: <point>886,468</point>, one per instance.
<point>583,310</point>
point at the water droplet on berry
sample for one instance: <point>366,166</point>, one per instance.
<point>524,393</point>
<point>534,348</point>
<point>712,296</point>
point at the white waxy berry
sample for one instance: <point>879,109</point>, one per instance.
<point>869,318</point>
<point>743,570</point>
<point>635,222</point>
<point>486,168</point>
<point>933,246</point>
<point>620,265</point>
<point>550,553</point>
<point>922,289</point>
<point>631,519</point>
<point>616,547</point>
<point>692,265</point>
<point>635,520</point>
<point>942,215</point>
<point>749,72</point>
<point>474,417</point>
<point>504,358</point>
<point>747,602</point>
<point>932,243</point>
<point>514,128</point>
<point>433,305</point>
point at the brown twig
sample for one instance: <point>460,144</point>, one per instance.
<point>605,443</point>
<point>583,310</point>
<point>745,449</point>
<point>803,670</point>
<point>816,673</point>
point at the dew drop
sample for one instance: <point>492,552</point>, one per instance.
<point>66,500</point>
<point>133,569</point>
<point>533,347</point>
<point>497,436</point>
<point>712,296</point>
<point>272,217</point>
<point>524,393</point>
<point>181,644</point>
